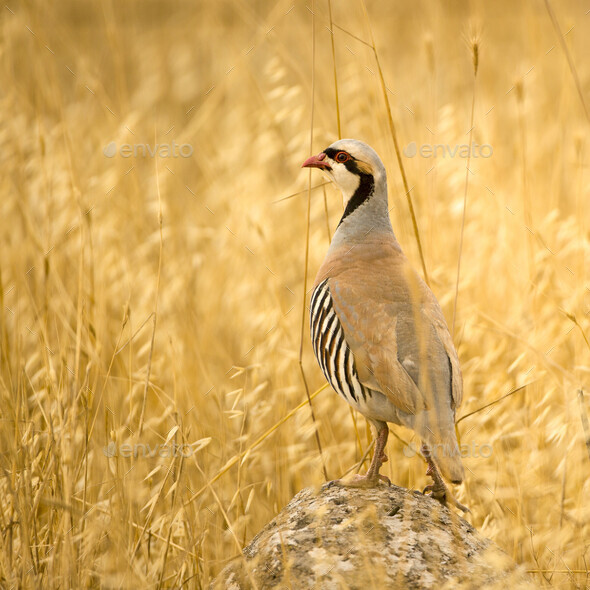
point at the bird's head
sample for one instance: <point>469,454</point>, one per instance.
<point>350,164</point>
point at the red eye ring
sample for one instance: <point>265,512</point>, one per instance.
<point>342,157</point>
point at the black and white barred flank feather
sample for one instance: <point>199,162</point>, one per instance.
<point>331,350</point>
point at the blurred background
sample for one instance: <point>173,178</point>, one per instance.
<point>154,345</point>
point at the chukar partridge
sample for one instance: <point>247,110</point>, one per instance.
<point>377,330</point>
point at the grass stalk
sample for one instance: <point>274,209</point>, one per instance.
<point>475,55</point>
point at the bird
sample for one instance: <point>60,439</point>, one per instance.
<point>377,330</point>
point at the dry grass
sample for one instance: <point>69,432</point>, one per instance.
<point>115,329</point>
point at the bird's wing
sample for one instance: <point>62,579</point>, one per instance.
<point>371,331</point>
<point>399,341</point>
<point>438,321</point>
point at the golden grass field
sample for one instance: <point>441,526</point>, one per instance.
<point>158,300</point>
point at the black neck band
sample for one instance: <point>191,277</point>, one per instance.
<point>362,194</point>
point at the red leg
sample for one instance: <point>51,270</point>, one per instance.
<point>372,478</point>
<point>438,488</point>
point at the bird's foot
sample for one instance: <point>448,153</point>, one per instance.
<point>439,491</point>
<point>363,481</point>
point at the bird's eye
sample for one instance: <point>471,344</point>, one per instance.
<point>342,157</point>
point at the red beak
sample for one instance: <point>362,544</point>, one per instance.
<point>317,162</point>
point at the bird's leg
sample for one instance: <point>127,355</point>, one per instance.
<point>372,477</point>
<point>379,456</point>
<point>438,489</point>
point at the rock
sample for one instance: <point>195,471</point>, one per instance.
<point>385,537</point>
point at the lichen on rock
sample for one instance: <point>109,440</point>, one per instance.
<point>384,537</point>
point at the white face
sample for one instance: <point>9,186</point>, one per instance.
<point>345,180</point>
<point>345,162</point>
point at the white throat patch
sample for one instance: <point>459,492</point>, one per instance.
<point>346,181</point>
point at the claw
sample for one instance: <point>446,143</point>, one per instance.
<point>443,495</point>
<point>438,490</point>
<point>373,477</point>
<point>385,478</point>
<point>460,506</point>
